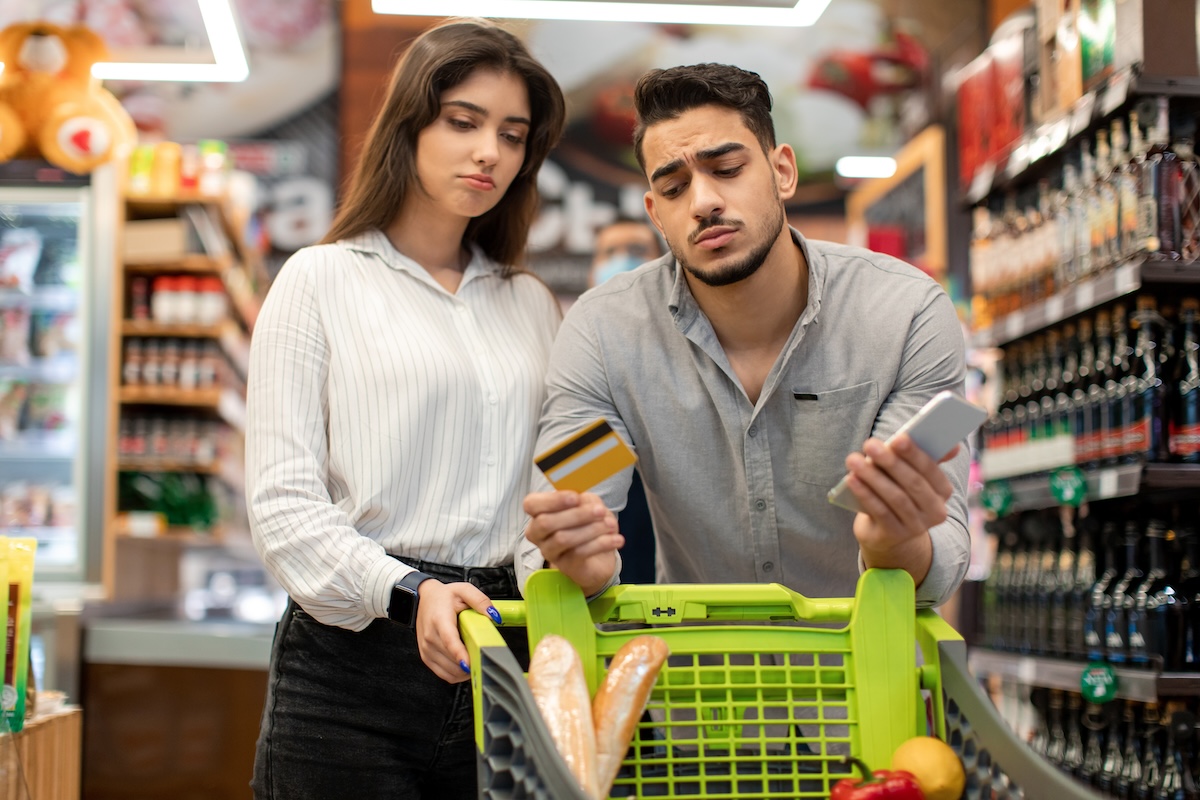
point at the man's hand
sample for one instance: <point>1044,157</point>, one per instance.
<point>577,534</point>
<point>441,646</point>
<point>903,494</point>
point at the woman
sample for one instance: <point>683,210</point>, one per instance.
<point>395,383</point>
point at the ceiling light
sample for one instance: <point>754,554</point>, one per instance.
<point>230,57</point>
<point>803,13</point>
<point>866,167</point>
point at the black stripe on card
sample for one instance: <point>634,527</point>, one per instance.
<point>804,396</point>
<point>588,436</point>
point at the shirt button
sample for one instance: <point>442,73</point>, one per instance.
<point>487,514</point>
<point>768,566</point>
<point>462,309</point>
<point>753,431</point>
<point>491,461</point>
<point>760,504</point>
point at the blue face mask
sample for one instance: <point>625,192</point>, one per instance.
<point>622,262</point>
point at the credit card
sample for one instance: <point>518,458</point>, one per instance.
<point>589,457</point>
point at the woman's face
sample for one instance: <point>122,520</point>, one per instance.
<point>470,154</point>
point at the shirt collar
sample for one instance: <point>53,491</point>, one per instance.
<point>684,308</point>
<point>375,242</point>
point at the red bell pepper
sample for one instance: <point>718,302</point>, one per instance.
<point>884,785</point>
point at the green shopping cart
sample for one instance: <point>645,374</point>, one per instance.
<point>763,695</point>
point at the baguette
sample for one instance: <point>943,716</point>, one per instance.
<point>561,693</point>
<point>620,701</point>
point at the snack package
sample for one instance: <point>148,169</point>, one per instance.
<point>4,605</point>
<point>20,252</point>
<point>47,407</point>
<point>12,400</point>
<point>17,630</point>
<point>54,332</point>
<point>14,335</point>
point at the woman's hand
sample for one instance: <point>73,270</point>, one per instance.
<point>442,648</point>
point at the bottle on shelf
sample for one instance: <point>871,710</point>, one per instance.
<point>1189,198</point>
<point>1054,550</point>
<point>1048,240</point>
<point>1114,757</point>
<point>1116,386</point>
<point>1151,754</point>
<point>1073,750</point>
<point>1105,236</point>
<point>1088,219</point>
<point>1165,172</point>
<point>1082,399</point>
<point>1061,592</point>
<point>1120,607</point>
<point>1126,177</point>
<point>1147,406</point>
<point>1031,583</point>
<point>1176,782</point>
<point>1148,611</point>
<point>1185,425</point>
<point>1056,742</point>
<point>1093,754</point>
<point>1083,579</point>
<point>1183,619</point>
<point>1100,602</point>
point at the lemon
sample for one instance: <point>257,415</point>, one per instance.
<point>934,764</point>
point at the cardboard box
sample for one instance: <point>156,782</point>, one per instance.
<point>149,241</point>
<point>976,101</point>
<point>1158,34</point>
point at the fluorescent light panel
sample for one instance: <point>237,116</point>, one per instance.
<point>230,58</point>
<point>804,13</point>
<point>866,167</point>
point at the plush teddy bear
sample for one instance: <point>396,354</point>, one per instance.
<point>51,105</point>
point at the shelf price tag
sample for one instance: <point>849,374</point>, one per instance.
<point>1098,683</point>
<point>1054,308</point>
<point>997,497</point>
<point>1127,279</point>
<point>1014,324</point>
<point>1085,294</point>
<point>1117,91</point>
<point>1081,116</point>
<point>1068,486</point>
<point>981,184</point>
<point>1110,483</point>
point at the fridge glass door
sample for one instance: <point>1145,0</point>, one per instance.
<point>43,370</point>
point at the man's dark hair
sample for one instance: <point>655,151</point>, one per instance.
<point>664,94</point>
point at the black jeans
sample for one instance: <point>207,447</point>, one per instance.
<point>358,714</point>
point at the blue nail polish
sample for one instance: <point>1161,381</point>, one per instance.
<point>463,666</point>
<point>495,615</point>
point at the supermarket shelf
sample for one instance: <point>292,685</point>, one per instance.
<point>1087,294</point>
<point>193,263</point>
<point>42,298</point>
<point>1016,165</point>
<point>1125,480</point>
<point>166,465</point>
<point>1141,685</point>
<point>54,446</point>
<point>138,327</point>
<point>163,396</point>
<point>59,369</point>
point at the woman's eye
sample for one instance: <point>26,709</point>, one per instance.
<point>514,138</point>
<point>461,124</point>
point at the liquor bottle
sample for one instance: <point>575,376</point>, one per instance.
<point>1064,417</point>
<point>1131,757</point>
<point>1056,744</point>
<point>1039,699</point>
<point>1114,759</point>
<point>1147,619</point>
<point>1164,172</point>
<point>1176,782</point>
<point>1086,531</point>
<point>1048,240</point>
<point>1183,623</point>
<point>1146,406</point>
<point>1104,377</point>
<point>1061,591</point>
<point>1189,199</point>
<point>1091,224</point>
<point>1151,754</point>
<point>998,586</point>
<point>1100,602</point>
<point>1077,242</point>
<point>984,308</point>
<point>1116,386</point>
<point>1073,751</point>
<point>1031,584</point>
<point>1014,613</point>
<point>1127,190</point>
<point>1055,399</point>
<point>1093,753</point>
<point>1185,430</point>
<point>1054,550</point>
<point>1081,400</point>
<point>1116,625</point>
<point>1105,237</point>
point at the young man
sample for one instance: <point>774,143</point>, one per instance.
<point>747,368</point>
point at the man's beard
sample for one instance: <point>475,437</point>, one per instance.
<point>740,270</point>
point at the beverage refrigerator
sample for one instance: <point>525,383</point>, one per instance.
<point>58,240</point>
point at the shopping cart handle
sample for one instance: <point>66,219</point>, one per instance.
<point>715,603</point>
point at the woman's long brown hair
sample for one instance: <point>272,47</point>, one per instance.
<point>438,60</point>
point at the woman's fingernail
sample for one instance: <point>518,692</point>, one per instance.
<point>495,615</point>
<point>463,666</point>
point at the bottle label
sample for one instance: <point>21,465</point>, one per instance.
<point>1185,439</point>
<point>1137,436</point>
<point>1098,683</point>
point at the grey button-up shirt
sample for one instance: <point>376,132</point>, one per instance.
<point>737,490</point>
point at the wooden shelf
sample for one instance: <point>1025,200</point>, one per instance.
<point>193,264</point>
<point>137,327</point>
<point>163,396</point>
<point>166,465</point>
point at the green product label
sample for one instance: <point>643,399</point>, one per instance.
<point>1098,683</point>
<point>1068,486</point>
<point>997,497</point>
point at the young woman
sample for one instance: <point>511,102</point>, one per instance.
<point>396,377</point>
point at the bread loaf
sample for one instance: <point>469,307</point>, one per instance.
<point>620,701</point>
<point>560,690</point>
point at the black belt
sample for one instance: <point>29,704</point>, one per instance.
<point>451,573</point>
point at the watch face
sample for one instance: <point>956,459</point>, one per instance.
<point>403,608</point>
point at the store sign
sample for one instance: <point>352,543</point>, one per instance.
<point>1098,683</point>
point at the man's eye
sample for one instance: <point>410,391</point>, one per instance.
<point>730,172</point>
<point>672,191</point>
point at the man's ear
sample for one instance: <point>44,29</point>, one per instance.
<point>787,175</point>
<point>652,212</point>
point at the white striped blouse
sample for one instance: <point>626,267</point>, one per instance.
<point>388,416</point>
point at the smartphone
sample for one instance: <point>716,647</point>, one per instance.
<point>942,423</point>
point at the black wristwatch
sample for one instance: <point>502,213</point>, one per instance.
<point>403,608</point>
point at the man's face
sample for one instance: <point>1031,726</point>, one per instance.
<point>714,195</point>
<point>626,239</point>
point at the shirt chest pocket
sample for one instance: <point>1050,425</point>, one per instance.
<point>826,426</point>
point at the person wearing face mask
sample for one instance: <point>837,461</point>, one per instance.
<point>622,246</point>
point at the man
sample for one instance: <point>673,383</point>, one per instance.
<point>621,246</point>
<point>747,368</point>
